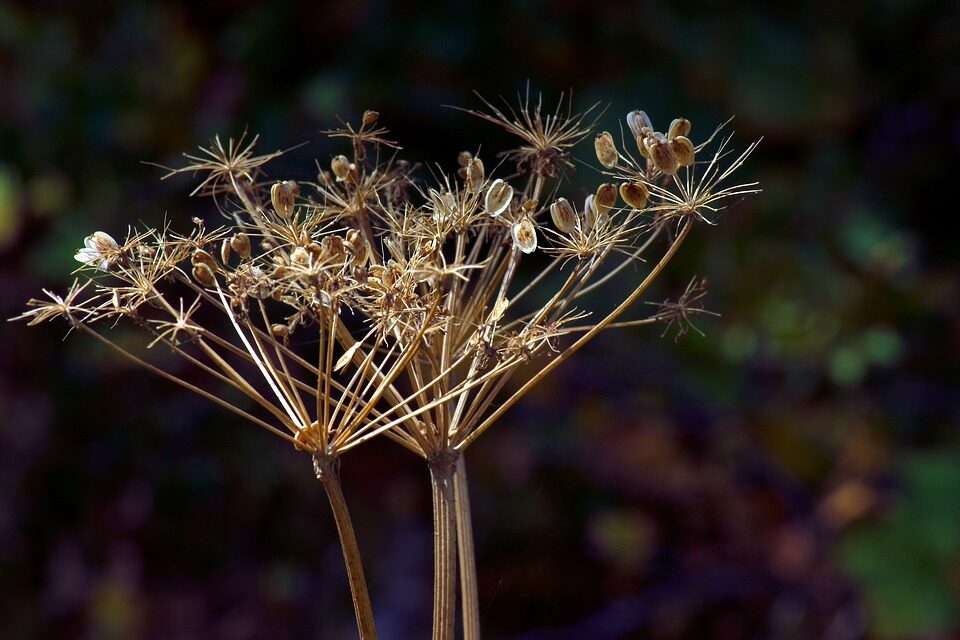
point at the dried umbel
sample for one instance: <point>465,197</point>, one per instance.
<point>379,302</point>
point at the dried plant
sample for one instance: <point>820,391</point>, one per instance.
<point>372,302</point>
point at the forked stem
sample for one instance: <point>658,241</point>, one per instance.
<point>468,562</point>
<point>444,547</point>
<point>326,471</point>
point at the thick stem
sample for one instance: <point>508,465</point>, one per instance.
<point>444,548</point>
<point>327,473</point>
<point>468,562</point>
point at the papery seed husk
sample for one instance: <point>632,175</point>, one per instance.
<point>475,173</point>
<point>225,251</point>
<point>370,117</point>
<point>563,216</point>
<point>202,257</point>
<point>340,166</point>
<point>280,330</point>
<point>605,197</point>
<point>524,235</point>
<point>606,149</point>
<point>241,244</point>
<point>282,198</point>
<point>498,197</point>
<point>300,256</point>
<point>679,127</point>
<point>463,158</point>
<point>637,121</point>
<point>683,149</point>
<point>204,275</point>
<point>642,146</point>
<point>635,194</point>
<point>663,157</point>
<point>590,214</point>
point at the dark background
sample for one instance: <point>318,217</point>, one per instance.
<point>794,474</point>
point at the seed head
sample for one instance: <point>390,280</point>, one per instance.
<point>340,166</point>
<point>662,156</point>
<point>679,127</point>
<point>635,194</point>
<point>498,198</point>
<point>604,198</point>
<point>283,197</point>
<point>240,242</point>
<point>606,150</point>
<point>563,216</point>
<point>683,149</point>
<point>524,235</point>
<point>639,124</point>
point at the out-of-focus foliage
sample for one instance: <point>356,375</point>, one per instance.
<point>791,475</point>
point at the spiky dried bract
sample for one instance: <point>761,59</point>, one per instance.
<point>376,302</point>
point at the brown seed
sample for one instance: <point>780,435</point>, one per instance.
<point>202,257</point>
<point>563,215</point>
<point>524,235</point>
<point>474,173</point>
<point>370,118</point>
<point>282,198</point>
<point>635,194</point>
<point>204,275</point>
<point>590,214</point>
<point>638,121</point>
<point>241,244</point>
<point>340,166</point>
<point>679,127</point>
<point>606,149</point>
<point>280,330</point>
<point>225,251</point>
<point>605,197</point>
<point>642,145</point>
<point>683,149</point>
<point>498,198</point>
<point>463,158</point>
<point>300,256</point>
<point>529,206</point>
<point>663,157</point>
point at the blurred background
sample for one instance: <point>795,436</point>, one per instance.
<point>792,475</point>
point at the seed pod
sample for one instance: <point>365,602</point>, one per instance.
<point>606,149</point>
<point>359,252</point>
<point>280,330</point>
<point>300,256</point>
<point>498,198</point>
<point>202,257</point>
<point>663,157</point>
<point>563,216</point>
<point>683,149</point>
<point>333,249</point>
<point>241,244</point>
<point>370,118</point>
<point>340,166</point>
<point>314,250</point>
<point>524,235</point>
<point>638,121</point>
<point>590,214</point>
<point>679,127</point>
<point>225,251</point>
<point>474,171</point>
<point>604,198</point>
<point>204,275</point>
<point>463,158</point>
<point>635,194</point>
<point>529,206</point>
<point>282,197</point>
<point>642,146</point>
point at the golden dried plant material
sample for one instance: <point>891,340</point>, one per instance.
<point>279,330</point>
<point>499,195</point>
<point>225,251</point>
<point>683,149</point>
<point>605,198</point>
<point>679,127</point>
<point>590,214</point>
<point>662,156</point>
<point>99,249</point>
<point>240,242</point>
<point>300,256</point>
<point>639,124</point>
<point>283,197</point>
<point>606,150</point>
<point>202,257</point>
<point>463,158</point>
<point>563,215</point>
<point>524,235</point>
<point>340,166</point>
<point>204,275</point>
<point>370,118</point>
<point>474,173</point>
<point>635,194</point>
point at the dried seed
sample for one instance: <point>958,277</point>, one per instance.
<point>663,157</point>
<point>679,127</point>
<point>606,149</point>
<point>300,256</point>
<point>241,244</point>
<point>605,197</point>
<point>202,257</point>
<point>590,214</point>
<point>498,197</point>
<point>340,166</point>
<point>683,149</point>
<point>474,171</point>
<point>283,198</point>
<point>639,122</point>
<point>524,235</point>
<point>463,158</point>
<point>280,330</point>
<point>563,216</point>
<point>225,251</point>
<point>204,275</point>
<point>635,194</point>
<point>370,118</point>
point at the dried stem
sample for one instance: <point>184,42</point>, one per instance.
<point>442,470</point>
<point>468,562</point>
